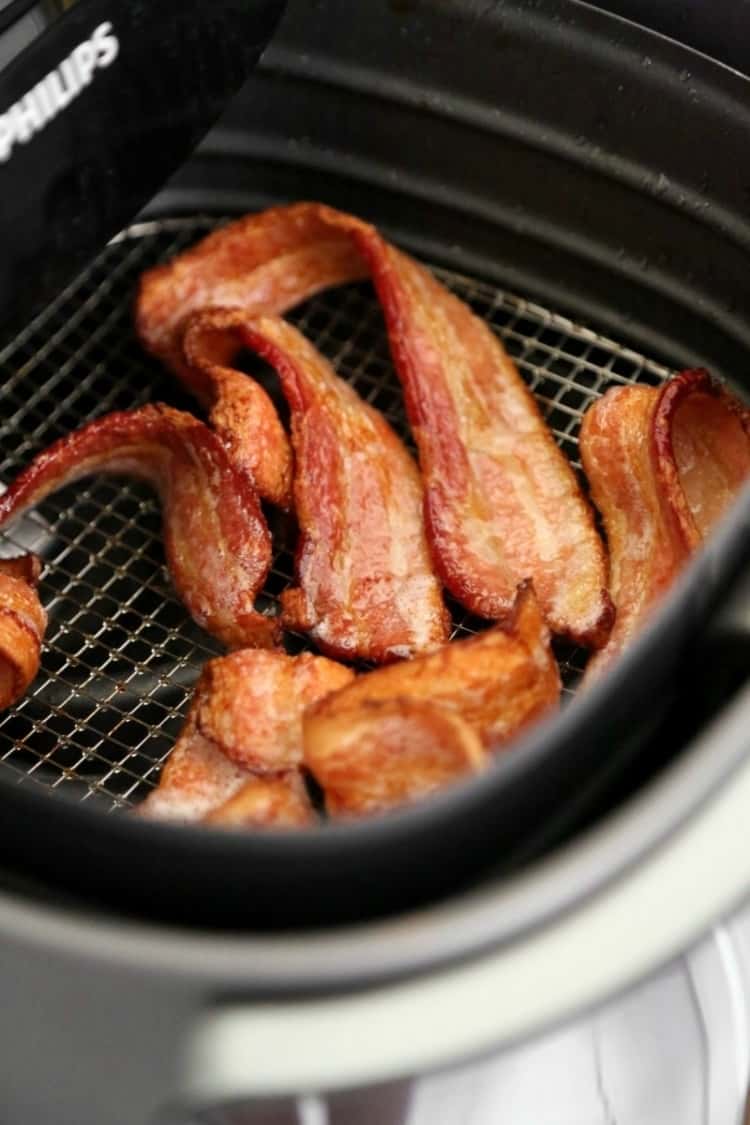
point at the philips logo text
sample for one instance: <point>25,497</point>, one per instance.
<point>28,116</point>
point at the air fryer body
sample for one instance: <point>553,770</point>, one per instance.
<point>547,148</point>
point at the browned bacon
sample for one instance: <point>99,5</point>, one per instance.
<point>244,726</point>
<point>216,540</point>
<point>663,465</point>
<point>389,752</point>
<point>501,502</point>
<point>264,264</point>
<point>394,733</point>
<point>367,589</point>
<point>280,801</point>
<point>22,625</point>
<point>240,411</point>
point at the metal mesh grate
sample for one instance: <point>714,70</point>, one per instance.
<point>121,653</point>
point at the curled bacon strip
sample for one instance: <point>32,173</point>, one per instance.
<point>250,704</point>
<point>237,757</point>
<point>22,625</point>
<point>501,502</point>
<point>702,451</point>
<point>367,589</point>
<point>663,465</point>
<point>261,267</point>
<point>394,733</point>
<point>240,411</point>
<point>216,540</point>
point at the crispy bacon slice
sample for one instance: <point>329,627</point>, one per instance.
<point>264,268</point>
<point>702,450</point>
<point>645,548</point>
<point>501,502</point>
<point>239,410</point>
<point>196,779</point>
<point>267,802</point>
<point>663,466</point>
<point>217,543</point>
<point>367,589</point>
<point>22,626</point>
<point>388,753</point>
<point>264,264</point>
<point>244,723</point>
<point>495,684</point>
<point>249,704</point>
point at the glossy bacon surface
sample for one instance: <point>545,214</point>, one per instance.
<point>367,589</point>
<point>216,540</point>
<point>494,684</point>
<point>501,502</point>
<point>244,724</point>
<point>22,626</point>
<point>663,465</point>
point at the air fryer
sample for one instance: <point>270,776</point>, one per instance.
<point>578,180</point>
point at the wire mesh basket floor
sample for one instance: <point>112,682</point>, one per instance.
<point>121,653</point>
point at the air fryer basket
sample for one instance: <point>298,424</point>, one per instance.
<point>122,653</point>
<point>546,185</point>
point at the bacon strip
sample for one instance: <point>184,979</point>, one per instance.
<point>249,704</point>
<point>22,626</point>
<point>264,264</point>
<point>427,717</point>
<point>240,411</point>
<point>501,502</point>
<point>217,543</point>
<point>244,728</point>
<point>702,451</point>
<point>367,588</point>
<point>196,779</point>
<point>267,802</point>
<point>264,268</point>
<point>388,753</point>
<point>663,466</point>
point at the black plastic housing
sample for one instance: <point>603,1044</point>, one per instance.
<point>719,29</point>
<point>99,105</point>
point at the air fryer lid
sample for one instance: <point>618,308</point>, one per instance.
<point>100,100</point>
